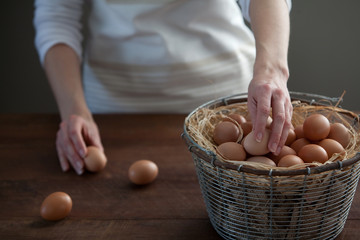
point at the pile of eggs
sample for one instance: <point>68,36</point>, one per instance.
<point>316,140</point>
<point>58,205</point>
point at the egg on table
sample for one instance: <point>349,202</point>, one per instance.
<point>56,206</point>
<point>95,159</point>
<point>143,172</point>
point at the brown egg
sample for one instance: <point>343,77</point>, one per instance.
<point>257,148</point>
<point>232,151</point>
<point>238,118</point>
<point>299,131</point>
<point>56,206</point>
<point>331,146</point>
<point>290,160</point>
<point>262,159</point>
<point>247,128</point>
<point>95,159</point>
<point>291,137</point>
<point>248,117</point>
<point>269,122</point>
<point>143,172</point>
<point>299,143</point>
<point>285,150</point>
<point>226,132</point>
<point>340,133</point>
<point>316,127</point>
<point>313,153</point>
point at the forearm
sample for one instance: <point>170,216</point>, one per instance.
<point>271,28</point>
<point>62,68</point>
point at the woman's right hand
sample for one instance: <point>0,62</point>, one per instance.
<point>77,129</point>
<point>75,133</point>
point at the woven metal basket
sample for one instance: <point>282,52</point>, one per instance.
<point>247,203</point>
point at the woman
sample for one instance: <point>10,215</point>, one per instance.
<point>162,56</point>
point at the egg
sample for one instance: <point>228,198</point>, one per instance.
<point>232,151</point>
<point>290,160</point>
<point>95,159</point>
<point>313,153</point>
<point>226,131</point>
<point>238,118</point>
<point>331,146</point>
<point>285,150</point>
<point>247,128</point>
<point>299,143</point>
<point>299,132</point>
<point>291,137</point>
<point>262,159</point>
<point>143,172</point>
<point>269,121</point>
<point>56,206</point>
<point>257,148</point>
<point>316,127</point>
<point>340,133</point>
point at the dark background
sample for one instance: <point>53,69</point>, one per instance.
<point>323,54</point>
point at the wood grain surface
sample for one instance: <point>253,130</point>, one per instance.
<point>106,205</point>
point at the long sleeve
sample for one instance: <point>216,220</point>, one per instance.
<point>57,21</point>
<point>245,6</point>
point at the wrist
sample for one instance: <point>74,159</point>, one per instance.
<point>79,109</point>
<point>271,68</point>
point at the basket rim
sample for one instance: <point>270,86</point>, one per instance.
<point>211,157</point>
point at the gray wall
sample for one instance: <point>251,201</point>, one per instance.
<point>323,55</point>
<point>325,49</point>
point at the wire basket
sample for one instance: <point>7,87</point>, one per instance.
<point>248,203</point>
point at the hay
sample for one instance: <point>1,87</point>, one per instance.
<point>202,123</point>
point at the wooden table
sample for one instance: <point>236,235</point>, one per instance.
<point>106,205</point>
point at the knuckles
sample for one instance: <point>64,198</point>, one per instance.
<point>279,117</point>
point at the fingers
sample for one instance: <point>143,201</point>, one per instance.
<point>93,138</point>
<point>67,151</point>
<point>74,135</point>
<point>262,112</point>
<point>63,161</point>
<point>75,129</point>
<point>266,98</point>
<point>279,117</point>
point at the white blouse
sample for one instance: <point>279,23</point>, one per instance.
<point>153,55</point>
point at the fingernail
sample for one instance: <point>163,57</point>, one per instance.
<point>278,151</point>
<point>273,147</point>
<point>79,165</point>
<point>82,153</point>
<point>259,137</point>
<point>80,171</point>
